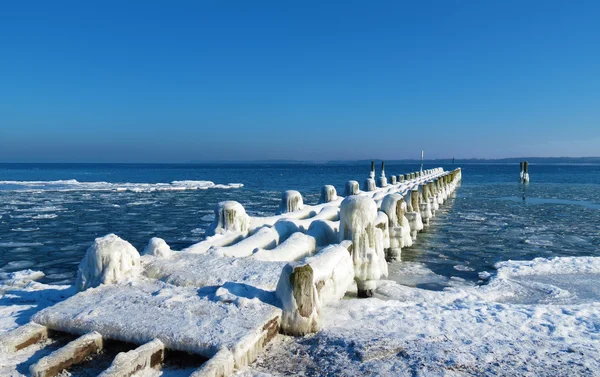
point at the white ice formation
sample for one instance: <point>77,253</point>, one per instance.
<point>291,201</point>
<point>357,224</point>
<point>328,194</point>
<point>305,287</point>
<point>230,216</point>
<point>109,260</point>
<point>352,188</point>
<point>157,247</point>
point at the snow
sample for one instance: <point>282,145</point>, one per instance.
<point>265,237</point>
<point>297,246</point>
<point>182,318</point>
<point>213,269</point>
<point>109,260</point>
<point>462,331</point>
<point>217,240</point>
<point>357,224</point>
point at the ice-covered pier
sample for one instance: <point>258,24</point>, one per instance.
<point>224,298</point>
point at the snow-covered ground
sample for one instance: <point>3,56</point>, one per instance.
<point>531,319</point>
<point>535,318</point>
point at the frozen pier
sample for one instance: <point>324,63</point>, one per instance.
<point>226,297</point>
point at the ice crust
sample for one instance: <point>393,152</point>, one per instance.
<point>462,331</point>
<point>213,269</point>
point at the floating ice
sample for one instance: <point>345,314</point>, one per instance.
<point>74,185</point>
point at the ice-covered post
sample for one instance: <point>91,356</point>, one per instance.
<point>425,205</point>
<point>393,179</point>
<point>413,215</point>
<point>526,172</point>
<point>357,224</point>
<point>109,260</point>
<point>382,179</point>
<point>432,199</point>
<point>351,188</point>
<point>328,194</point>
<point>369,184</point>
<point>401,178</point>
<point>230,216</point>
<point>522,172</point>
<point>438,192</point>
<point>399,230</point>
<point>291,201</point>
<point>372,174</point>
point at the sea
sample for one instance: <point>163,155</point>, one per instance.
<point>51,213</point>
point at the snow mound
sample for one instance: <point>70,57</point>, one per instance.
<point>109,260</point>
<point>157,247</point>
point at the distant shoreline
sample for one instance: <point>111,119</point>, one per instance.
<point>510,160</point>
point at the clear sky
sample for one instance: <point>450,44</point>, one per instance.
<point>174,81</point>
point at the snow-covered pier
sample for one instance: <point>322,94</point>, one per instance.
<point>226,297</point>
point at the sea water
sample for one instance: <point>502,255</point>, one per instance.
<point>50,213</point>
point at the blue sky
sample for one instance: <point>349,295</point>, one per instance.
<point>149,81</point>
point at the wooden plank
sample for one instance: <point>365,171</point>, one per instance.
<point>73,353</point>
<point>23,336</point>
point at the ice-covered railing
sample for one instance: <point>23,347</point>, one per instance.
<point>234,233</point>
<point>251,277</point>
